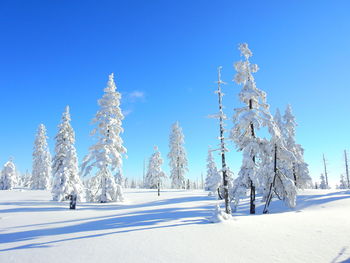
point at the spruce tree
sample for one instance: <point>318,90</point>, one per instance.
<point>300,169</point>
<point>177,157</point>
<point>155,175</point>
<point>66,180</point>
<point>8,177</point>
<point>214,178</point>
<point>106,154</point>
<point>247,121</point>
<point>41,171</point>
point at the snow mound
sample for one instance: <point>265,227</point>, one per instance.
<point>219,215</point>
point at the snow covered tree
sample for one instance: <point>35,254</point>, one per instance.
<point>8,178</point>
<point>155,175</point>
<point>247,121</point>
<point>213,179</point>
<point>106,154</point>
<point>177,157</point>
<point>188,185</point>
<point>133,183</point>
<point>300,169</point>
<point>323,184</point>
<point>347,170</point>
<point>41,171</point>
<point>66,180</point>
<point>119,178</point>
<point>126,183</point>
<point>222,147</point>
<point>342,183</point>
<point>26,180</point>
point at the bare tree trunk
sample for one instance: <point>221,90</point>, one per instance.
<point>103,187</point>
<point>294,175</point>
<point>222,144</point>
<point>252,187</point>
<point>158,188</point>
<point>325,171</point>
<point>272,185</point>
<point>347,168</point>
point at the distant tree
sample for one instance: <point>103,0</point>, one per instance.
<point>325,171</point>
<point>347,170</point>
<point>214,178</point>
<point>342,183</point>
<point>126,182</point>
<point>188,184</point>
<point>41,172</point>
<point>155,175</point>
<point>300,169</point>
<point>133,183</point>
<point>8,178</point>
<point>119,178</point>
<point>106,154</point>
<point>66,180</point>
<point>177,157</point>
<point>323,184</point>
<point>26,180</point>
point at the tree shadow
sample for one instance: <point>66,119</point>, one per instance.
<point>303,201</point>
<point>131,222</point>
<point>340,254</point>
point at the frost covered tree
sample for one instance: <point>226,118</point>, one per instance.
<point>133,183</point>
<point>155,175</point>
<point>300,169</point>
<point>213,179</point>
<point>119,178</point>
<point>26,180</point>
<point>247,121</point>
<point>66,180</point>
<point>342,182</point>
<point>41,171</point>
<point>323,184</point>
<point>347,170</point>
<point>8,178</point>
<point>177,157</point>
<point>105,156</point>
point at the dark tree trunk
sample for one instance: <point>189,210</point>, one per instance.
<point>325,170</point>
<point>252,186</point>
<point>222,146</point>
<point>294,175</point>
<point>272,185</point>
<point>252,197</point>
<point>347,168</point>
<point>158,189</point>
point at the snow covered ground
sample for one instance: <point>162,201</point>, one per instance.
<point>172,228</point>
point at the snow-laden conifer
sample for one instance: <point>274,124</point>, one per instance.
<point>8,178</point>
<point>214,178</point>
<point>41,171</point>
<point>177,157</point>
<point>106,154</point>
<point>247,121</point>
<point>155,175</point>
<point>300,169</point>
<point>342,183</point>
<point>26,180</point>
<point>66,180</point>
<point>323,184</point>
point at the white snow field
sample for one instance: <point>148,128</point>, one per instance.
<point>172,228</point>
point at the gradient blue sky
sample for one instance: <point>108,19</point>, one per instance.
<point>164,55</point>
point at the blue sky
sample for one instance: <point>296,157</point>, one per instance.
<point>164,55</point>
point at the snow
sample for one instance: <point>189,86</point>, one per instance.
<point>172,228</point>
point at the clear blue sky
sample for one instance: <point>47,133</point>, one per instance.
<point>54,53</point>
